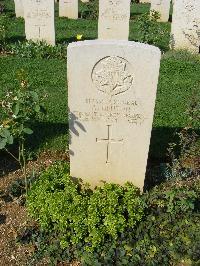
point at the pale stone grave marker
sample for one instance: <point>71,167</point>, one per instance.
<point>185,31</point>
<point>114,16</point>
<point>145,1</point>
<point>19,9</point>
<point>39,20</point>
<point>162,7</point>
<point>68,8</point>
<point>111,109</point>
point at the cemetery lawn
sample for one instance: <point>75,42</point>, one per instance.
<point>178,88</point>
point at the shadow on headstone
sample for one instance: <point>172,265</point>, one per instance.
<point>75,126</point>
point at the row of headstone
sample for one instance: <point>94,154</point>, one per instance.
<point>114,19</point>
<point>67,8</point>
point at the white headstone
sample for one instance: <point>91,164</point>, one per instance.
<point>114,19</point>
<point>112,92</point>
<point>19,9</point>
<point>39,20</point>
<point>145,1</point>
<point>185,31</point>
<point>68,8</point>
<point>162,7</point>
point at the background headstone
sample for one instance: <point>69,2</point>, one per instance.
<point>68,8</point>
<point>111,109</point>
<point>19,9</point>
<point>163,7</point>
<point>39,20</point>
<point>185,31</point>
<point>114,19</point>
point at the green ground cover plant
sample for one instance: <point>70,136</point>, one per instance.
<point>114,225</point>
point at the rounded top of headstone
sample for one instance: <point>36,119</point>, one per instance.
<point>116,43</point>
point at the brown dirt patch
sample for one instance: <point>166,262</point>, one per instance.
<point>13,215</point>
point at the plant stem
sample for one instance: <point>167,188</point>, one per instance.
<point>12,155</point>
<point>24,165</point>
<point>22,160</point>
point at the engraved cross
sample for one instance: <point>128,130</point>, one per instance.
<point>109,141</point>
<point>39,29</point>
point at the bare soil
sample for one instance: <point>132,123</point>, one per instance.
<point>13,214</point>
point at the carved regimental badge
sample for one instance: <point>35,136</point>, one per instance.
<point>112,76</point>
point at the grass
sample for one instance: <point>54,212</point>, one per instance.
<point>179,74</point>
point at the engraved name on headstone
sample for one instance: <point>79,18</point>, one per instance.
<point>111,109</point>
<point>68,8</point>
<point>39,20</point>
<point>114,16</point>
<point>185,31</point>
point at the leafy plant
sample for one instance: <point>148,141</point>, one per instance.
<point>4,25</point>
<point>2,7</point>
<point>79,215</point>
<point>39,50</point>
<point>90,10</point>
<point>18,110</point>
<point>149,30</point>
<point>113,225</point>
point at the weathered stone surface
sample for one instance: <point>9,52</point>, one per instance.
<point>112,90</point>
<point>39,20</point>
<point>162,7</point>
<point>145,1</point>
<point>19,8</point>
<point>185,31</point>
<point>114,19</point>
<point>68,8</point>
